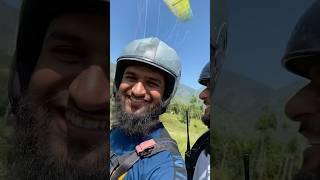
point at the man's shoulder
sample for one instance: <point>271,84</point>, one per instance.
<point>165,164</point>
<point>121,143</point>
<point>164,157</point>
<point>202,169</point>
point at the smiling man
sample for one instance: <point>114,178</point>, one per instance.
<point>147,75</point>
<point>204,79</point>
<point>59,93</point>
<point>303,58</point>
<point>198,157</point>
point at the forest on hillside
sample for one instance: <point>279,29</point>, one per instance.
<point>270,158</point>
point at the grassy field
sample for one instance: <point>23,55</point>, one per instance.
<point>178,130</point>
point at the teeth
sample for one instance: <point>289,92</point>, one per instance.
<point>83,123</point>
<point>137,100</point>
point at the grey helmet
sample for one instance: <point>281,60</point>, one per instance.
<point>205,75</point>
<point>219,33</point>
<point>303,49</point>
<point>153,52</point>
<point>35,18</point>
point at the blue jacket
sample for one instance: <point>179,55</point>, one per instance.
<point>164,165</point>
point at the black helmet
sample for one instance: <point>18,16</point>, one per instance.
<point>35,17</point>
<point>219,32</point>
<point>205,75</point>
<point>303,49</point>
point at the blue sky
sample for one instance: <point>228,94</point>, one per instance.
<point>258,35</point>
<point>136,19</point>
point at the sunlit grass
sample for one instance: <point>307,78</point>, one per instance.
<point>178,130</point>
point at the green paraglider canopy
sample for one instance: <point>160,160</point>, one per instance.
<point>180,8</point>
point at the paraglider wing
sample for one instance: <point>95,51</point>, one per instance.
<point>180,8</point>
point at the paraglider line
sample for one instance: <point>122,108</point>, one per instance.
<point>177,35</point>
<point>158,23</point>
<point>139,20</point>
<point>172,30</point>
<point>185,35</point>
<point>145,20</point>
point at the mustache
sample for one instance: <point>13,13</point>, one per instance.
<point>310,125</point>
<point>59,99</point>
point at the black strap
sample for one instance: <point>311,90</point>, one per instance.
<point>192,155</point>
<point>121,164</point>
<point>125,165</point>
<point>114,163</point>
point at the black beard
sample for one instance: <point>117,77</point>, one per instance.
<point>30,157</point>
<point>206,120</point>
<point>309,175</point>
<point>136,126</point>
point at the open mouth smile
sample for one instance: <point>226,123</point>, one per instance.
<point>84,122</point>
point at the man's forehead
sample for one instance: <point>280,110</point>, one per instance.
<point>77,27</point>
<point>142,69</point>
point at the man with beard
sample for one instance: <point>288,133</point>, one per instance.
<point>58,90</point>
<point>198,157</point>
<point>302,57</point>
<point>146,79</point>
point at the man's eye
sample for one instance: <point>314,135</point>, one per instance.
<point>130,78</point>
<point>153,84</point>
<point>68,54</point>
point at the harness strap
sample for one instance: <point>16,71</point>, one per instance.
<point>121,164</point>
<point>145,147</point>
<point>125,165</point>
<point>114,163</point>
<point>192,155</point>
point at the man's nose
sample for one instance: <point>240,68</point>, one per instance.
<point>138,89</point>
<point>90,89</point>
<point>204,95</point>
<point>303,102</point>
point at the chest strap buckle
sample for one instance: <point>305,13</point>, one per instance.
<point>145,148</point>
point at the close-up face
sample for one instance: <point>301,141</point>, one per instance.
<point>304,107</point>
<point>141,89</point>
<point>70,82</point>
<point>205,96</point>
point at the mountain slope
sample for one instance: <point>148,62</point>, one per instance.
<point>240,101</point>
